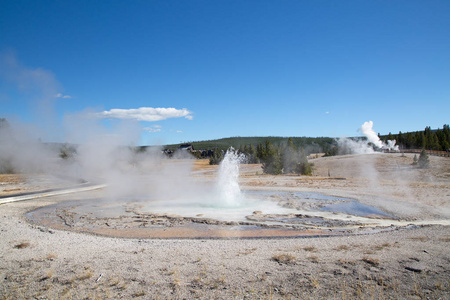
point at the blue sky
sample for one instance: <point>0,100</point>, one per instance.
<point>211,69</point>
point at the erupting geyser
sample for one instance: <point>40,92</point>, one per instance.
<point>229,193</point>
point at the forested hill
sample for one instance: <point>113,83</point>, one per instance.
<point>430,139</point>
<point>237,142</point>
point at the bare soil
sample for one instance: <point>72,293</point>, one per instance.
<point>409,262</point>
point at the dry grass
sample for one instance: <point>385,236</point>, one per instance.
<point>445,238</point>
<point>369,251</point>
<point>86,274</point>
<point>314,281</point>
<point>12,178</point>
<point>313,258</point>
<point>283,258</point>
<point>310,249</point>
<point>371,261</point>
<point>22,245</point>
<point>382,246</point>
<point>420,238</point>
<point>114,281</point>
<point>51,256</point>
<point>344,261</point>
<point>176,277</point>
<point>246,251</point>
<point>138,294</point>
<point>342,248</point>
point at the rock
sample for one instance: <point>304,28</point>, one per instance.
<point>414,269</point>
<point>414,266</point>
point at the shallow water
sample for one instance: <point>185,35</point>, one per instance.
<point>258,214</point>
<point>357,209</point>
<point>260,202</point>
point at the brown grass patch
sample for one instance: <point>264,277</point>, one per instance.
<point>342,248</point>
<point>12,190</point>
<point>86,275</point>
<point>202,165</point>
<point>22,245</point>
<point>344,261</point>
<point>12,178</point>
<point>371,261</point>
<point>314,282</point>
<point>51,256</point>
<point>310,249</point>
<point>284,258</point>
<point>246,251</point>
<point>445,238</point>
<point>420,238</point>
<point>138,294</point>
<point>382,246</point>
<point>313,258</point>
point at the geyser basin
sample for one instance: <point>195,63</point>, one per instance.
<point>259,214</point>
<point>185,208</point>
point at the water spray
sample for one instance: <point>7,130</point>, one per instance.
<point>228,179</point>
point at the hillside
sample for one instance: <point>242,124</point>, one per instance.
<point>314,144</point>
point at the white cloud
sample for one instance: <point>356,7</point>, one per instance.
<point>154,128</point>
<point>179,131</point>
<point>148,114</point>
<point>327,112</point>
<point>59,95</point>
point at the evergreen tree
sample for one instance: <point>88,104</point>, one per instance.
<point>445,145</point>
<point>424,161</point>
<point>304,167</point>
<point>260,152</point>
<point>241,150</point>
<point>421,140</point>
<point>332,151</point>
<point>294,160</point>
<point>408,141</point>
<point>290,157</point>
<point>252,159</point>
<point>433,143</point>
<point>271,160</point>
<point>217,157</point>
<point>390,137</point>
<point>446,139</point>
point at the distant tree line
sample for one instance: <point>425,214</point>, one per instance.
<point>318,144</point>
<point>427,139</point>
<point>284,158</point>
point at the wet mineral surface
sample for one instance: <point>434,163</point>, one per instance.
<point>275,214</point>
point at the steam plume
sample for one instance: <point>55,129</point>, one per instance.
<point>359,146</point>
<point>373,138</point>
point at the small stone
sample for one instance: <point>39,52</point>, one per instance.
<point>416,269</point>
